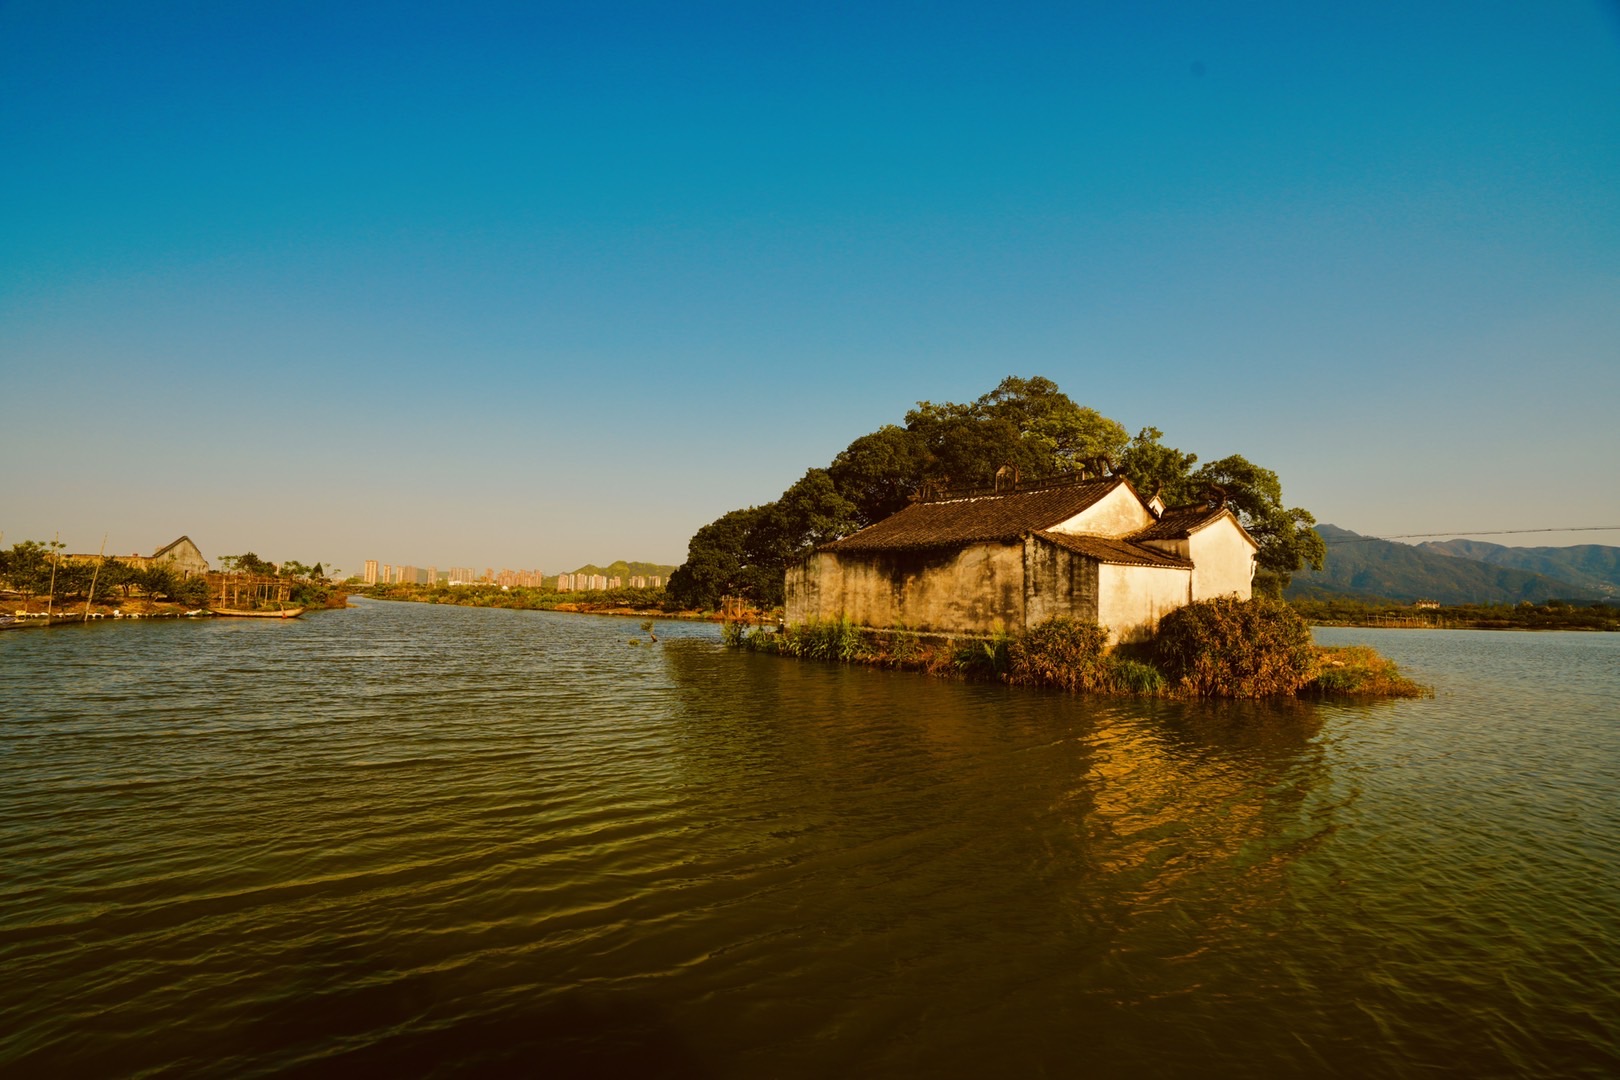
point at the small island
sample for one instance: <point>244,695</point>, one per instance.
<point>1027,537</point>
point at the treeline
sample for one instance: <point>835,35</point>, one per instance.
<point>1028,424</point>
<point>1553,615</point>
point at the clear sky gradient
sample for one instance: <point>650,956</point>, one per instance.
<point>532,285</point>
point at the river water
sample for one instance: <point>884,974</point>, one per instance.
<point>449,841</point>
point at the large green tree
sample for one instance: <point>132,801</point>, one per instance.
<point>1286,535</point>
<point>716,561</point>
<point>880,472</point>
<point>744,553</point>
<point>1157,469</point>
<point>1027,423</point>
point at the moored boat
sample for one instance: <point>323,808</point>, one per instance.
<point>242,613</point>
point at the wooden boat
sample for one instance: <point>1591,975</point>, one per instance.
<point>9,622</point>
<point>240,613</point>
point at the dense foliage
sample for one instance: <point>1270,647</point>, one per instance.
<point>1235,648</point>
<point>1028,424</point>
<point>1062,653</point>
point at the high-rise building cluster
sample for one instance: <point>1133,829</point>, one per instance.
<point>520,579</point>
<point>586,582</point>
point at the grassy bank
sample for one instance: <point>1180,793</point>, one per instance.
<point>1554,615</point>
<point>1223,648</point>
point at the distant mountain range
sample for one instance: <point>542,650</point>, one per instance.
<point>1591,566</point>
<point>1458,571</point>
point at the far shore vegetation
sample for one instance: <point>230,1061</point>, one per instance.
<point>627,600</point>
<point>1552,615</point>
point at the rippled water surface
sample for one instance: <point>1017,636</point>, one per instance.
<point>442,841</point>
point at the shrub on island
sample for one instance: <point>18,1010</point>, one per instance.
<point>1062,653</point>
<point>1235,648</point>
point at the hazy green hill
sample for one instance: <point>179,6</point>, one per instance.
<point>1589,566</point>
<point>1381,569</point>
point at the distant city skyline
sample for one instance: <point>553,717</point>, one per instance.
<point>547,282</point>
<point>375,572</point>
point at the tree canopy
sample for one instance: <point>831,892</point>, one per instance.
<point>1028,424</point>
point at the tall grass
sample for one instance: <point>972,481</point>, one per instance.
<point>987,657</point>
<point>837,640</point>
<point>1358,671</point>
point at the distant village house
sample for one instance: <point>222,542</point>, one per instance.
<point>182,556</point>
<point>1093,550</point>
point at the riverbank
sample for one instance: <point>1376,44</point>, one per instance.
<point>1222,648</point>
<point>1556,615</point>
<point>35,612</point>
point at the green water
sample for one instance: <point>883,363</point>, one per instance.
<point>442,841</point>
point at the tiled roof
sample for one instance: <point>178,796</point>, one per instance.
<point>1180,522</point>
<point>976,519</point>
<point>1111,550</point>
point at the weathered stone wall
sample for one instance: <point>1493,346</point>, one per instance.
<point>1057,582</point>
<point>978,589</point>
<point>1135,598</point>
<point>186,559</point>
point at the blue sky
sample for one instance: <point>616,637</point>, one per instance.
<point>534,284</point>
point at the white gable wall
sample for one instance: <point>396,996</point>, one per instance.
<point>1223,561</point>
<point>1117,513</point>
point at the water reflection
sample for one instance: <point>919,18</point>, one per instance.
<point>1101,845</point>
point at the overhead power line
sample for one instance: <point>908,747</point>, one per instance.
<point>1472,532</point>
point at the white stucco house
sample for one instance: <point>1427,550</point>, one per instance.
<point>1093,550</point>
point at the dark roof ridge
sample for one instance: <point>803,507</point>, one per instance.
<point>993,517</point>
<point>1183,521</point>
<point>1018,489</point>
<point>1118,550</point>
